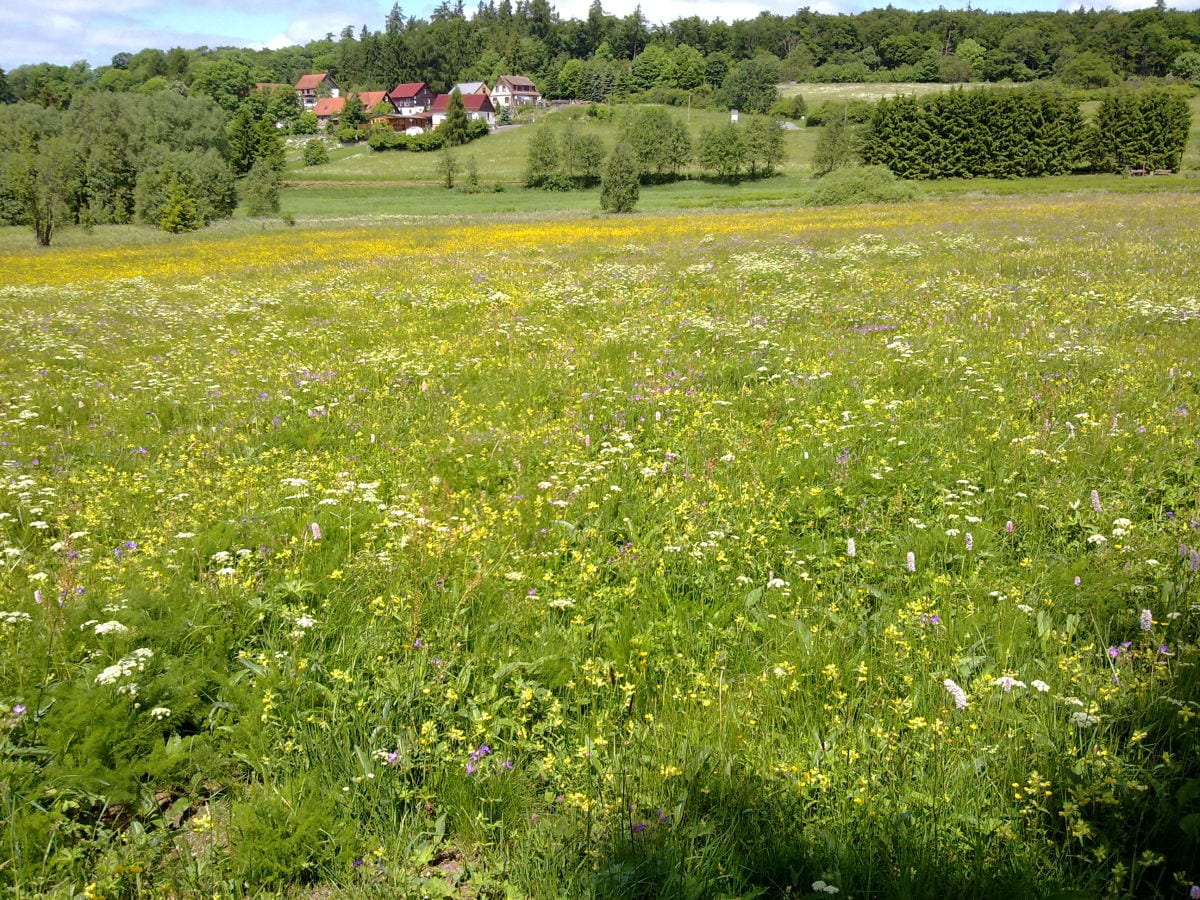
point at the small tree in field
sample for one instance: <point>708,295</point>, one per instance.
<point>180,212</point>
<point>44,182</point>
<point>448,166</point>
<point>542,160</point>
<point>619,184</point>
<point>315,153</point>
<point>835,146</point>
<point>261,189</point>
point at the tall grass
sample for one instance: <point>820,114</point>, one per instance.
<point>739,554</point>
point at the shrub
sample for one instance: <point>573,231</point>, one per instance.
<point>425,143</point>
<point>1144,129</point>
<point>261,189</point>
<point>1021,133</point>
<point>286,836</point>
<point>379,139</point>
<point>835,147</point>
<point>315,153</point>
<point>860,184</point>
<point>179,212</point>
<point>793,107</point>
<point>619,186</point>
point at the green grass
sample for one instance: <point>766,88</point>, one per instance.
<point>566,555</point>
<point>359,182</point>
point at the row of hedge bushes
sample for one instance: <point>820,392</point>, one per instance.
<point>1024,133</point>
<point>380,139</point>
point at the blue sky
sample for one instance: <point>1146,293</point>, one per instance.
<point>63,31</point>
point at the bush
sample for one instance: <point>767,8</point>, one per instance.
<point>261,189</point>
<point>286,836</point>
<point>854,112</point>
<point>179,212</point>
<point>380,139</point>
<point>315,153</point>
<point>350,134</point>
<point>425,143</point>
<point>971,133</point>
<point>1142,130</point>
<point>860,184</point>
<point>793,107</point>
<point>619,186</point>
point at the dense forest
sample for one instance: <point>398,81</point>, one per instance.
<point>603,55</point>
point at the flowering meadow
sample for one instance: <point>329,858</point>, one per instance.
<point>747,554</point>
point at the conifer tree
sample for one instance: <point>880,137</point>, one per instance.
<point>456,123</point>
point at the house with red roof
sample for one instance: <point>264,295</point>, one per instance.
<point>515,90</point>
<point>479,106</point>
<point>412,98</point>
<point>311,87</point>
<point>327,108</point>
<point>375,103</point>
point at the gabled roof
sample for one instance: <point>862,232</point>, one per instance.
<point>517,84</point>
<point>473,102</point>
<point>407,90</point>
<point>471,87</point>
<point>310,82</point>
<point>329,106</point>
<point>371,99</point>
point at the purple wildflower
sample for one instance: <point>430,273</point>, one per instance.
<point>1096,502</point>
<point>970,542</point>
<point>959,695</point>
<point>910,561</point>
<point>1146,620</point>
<point>19,709</point>
<point>315,530</point>
<point>1009,527</point>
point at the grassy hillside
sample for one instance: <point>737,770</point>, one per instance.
<point>361,182</point>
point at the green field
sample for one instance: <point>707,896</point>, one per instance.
<point>359,182</point>
<point>714,553</point>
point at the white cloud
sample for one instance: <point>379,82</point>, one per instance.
<point>313,27</point>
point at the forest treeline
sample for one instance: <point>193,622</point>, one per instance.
<point>603,55</point>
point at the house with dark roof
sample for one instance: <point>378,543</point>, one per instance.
<point>479,106</point>
<point>412,98</point>
<point>515,90</point>
<point>310,86</point>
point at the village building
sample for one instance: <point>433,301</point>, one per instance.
<point>313,87</point>
<point>478,106</point>
<point>515,90</point>
<point>471,87</point>
<point>412,98</point>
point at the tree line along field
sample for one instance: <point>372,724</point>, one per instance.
<point>361,181</point>
<point>744,553</point>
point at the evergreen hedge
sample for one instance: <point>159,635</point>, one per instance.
<point>970,133</point>
<point>1140,130</point>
